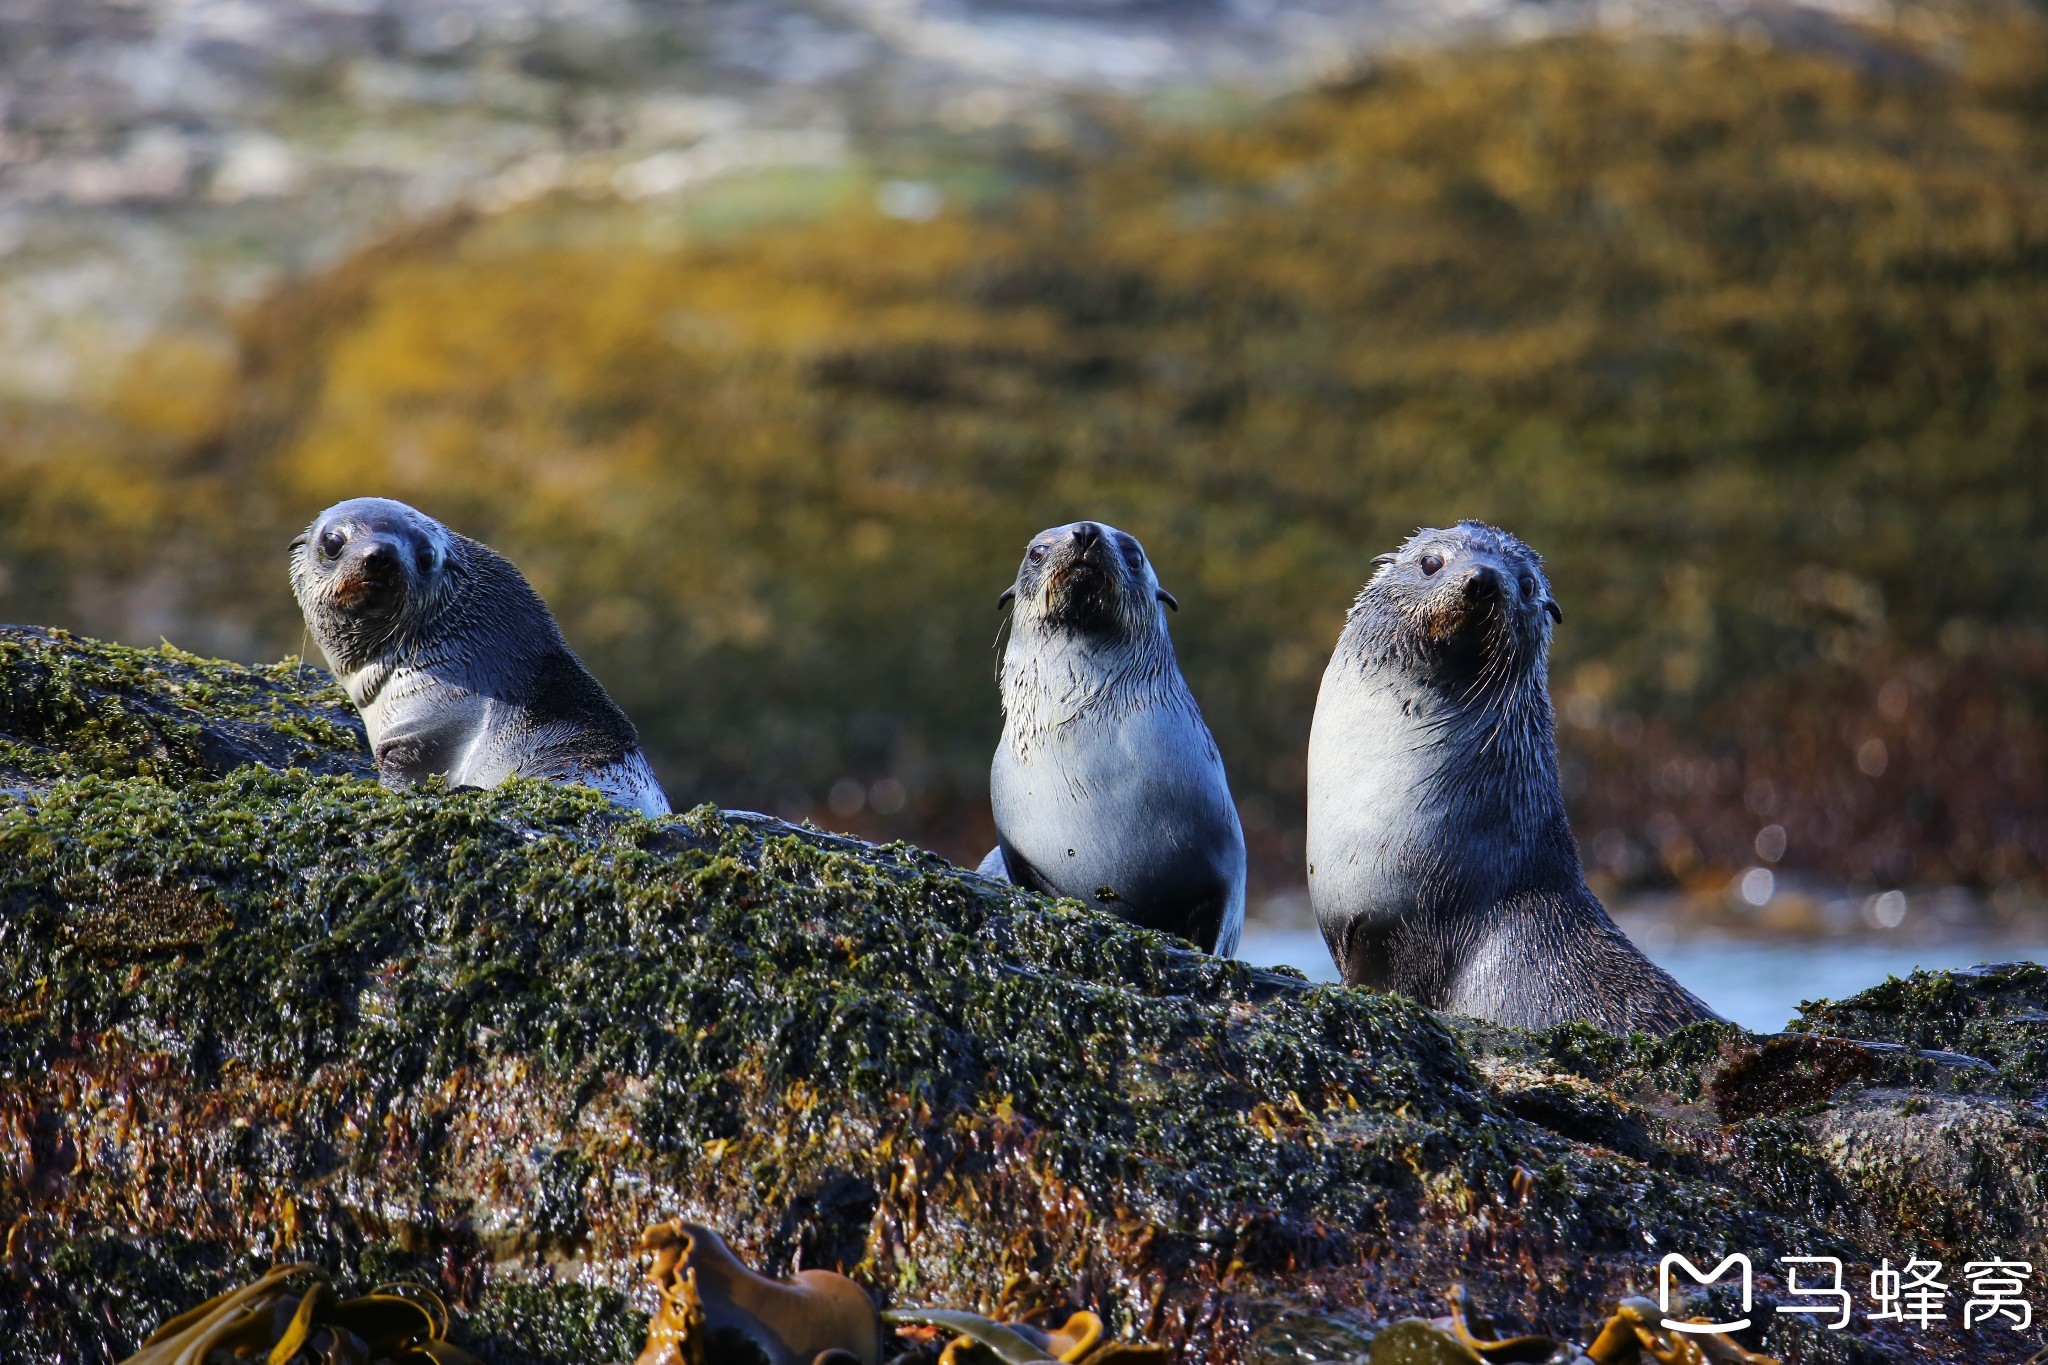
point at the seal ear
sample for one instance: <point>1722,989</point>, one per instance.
<point>297,541</point>
<point>1008,594</point>
<point>1556,612</point>
<point>1381,561</point>
<point>1169,599</point>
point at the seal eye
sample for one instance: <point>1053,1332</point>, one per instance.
<point>1134,557</point>
<point>1528,585</point>
<point>424,557</point>
<point>1431,563</point>
<point>1037,554</point>
<point>332,544</point>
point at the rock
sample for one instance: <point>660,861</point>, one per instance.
<point>72,707</point>
<point>253,1007</point>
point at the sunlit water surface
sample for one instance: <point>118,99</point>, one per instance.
<point>1758,983</point>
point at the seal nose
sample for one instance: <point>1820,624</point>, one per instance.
<point>1085,535</point>
<point>1483,585</point>
<point>379,558</point>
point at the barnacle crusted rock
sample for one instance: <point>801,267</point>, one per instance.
<point>255,1008</point>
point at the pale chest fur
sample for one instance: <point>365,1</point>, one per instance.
<point>1375,751</point>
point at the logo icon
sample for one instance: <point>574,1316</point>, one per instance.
<point>1664,1291</point>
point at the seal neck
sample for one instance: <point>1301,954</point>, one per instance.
<point>1485,777</point>
<point>1053,677</point>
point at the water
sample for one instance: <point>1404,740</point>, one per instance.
<point>1757,982</point>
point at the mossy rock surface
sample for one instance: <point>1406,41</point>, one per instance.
<point>480,1039</point>
<point>71,707</point>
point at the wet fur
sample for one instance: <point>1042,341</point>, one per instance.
<point>1106,777</point>
<point>461,670</point>
<point>1441,860</point>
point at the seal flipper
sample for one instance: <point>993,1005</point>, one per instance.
<point>1023,874</point>
<point>406,753</point>
<point>630,783</point>
<point>1005,864</point>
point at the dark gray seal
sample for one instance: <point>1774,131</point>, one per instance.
<point>454,661</point>
<point>1440,860</point>
<point>1107,786</point>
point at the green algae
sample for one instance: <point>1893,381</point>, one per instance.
<point>70,707</point>
<point>479,1039</point>
<point>531,1324</point>
<point>409,935</point>
<point>1997,1012</point>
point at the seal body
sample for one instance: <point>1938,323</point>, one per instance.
<point>1440,859</point>
<point>1107,786</point>
<point>453,660</point>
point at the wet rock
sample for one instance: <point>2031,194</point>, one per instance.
<point>1964,1172</point>
<point>1997,1012</point>
<point>1792,1072</point>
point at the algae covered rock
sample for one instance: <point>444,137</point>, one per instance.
<point>1997,1012</point>
<point>71,707</point>
<point>256,1009</point>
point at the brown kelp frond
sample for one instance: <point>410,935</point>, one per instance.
<point>213,1307</point>
<point>982,1341</point>
<point>715,1308</point>
<point>1472,1330</point>
<point>397,1324</point>
<point>1002,1340</point>
<point>1632,1335</point>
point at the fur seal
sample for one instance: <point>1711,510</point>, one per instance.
<point>1440,859</point>
<point>454,661</point>
<point>1107,786</point>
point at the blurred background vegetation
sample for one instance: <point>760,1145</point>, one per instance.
<point>1745,337</point>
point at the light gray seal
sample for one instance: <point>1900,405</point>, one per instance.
<point>454,661</point>
<point>1440,859</point>
<point>1107,786</point>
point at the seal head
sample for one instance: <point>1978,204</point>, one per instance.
<point>368,568</point>
<point>1107,785</point>
<point>1441,861</point>
<point>454,661</point>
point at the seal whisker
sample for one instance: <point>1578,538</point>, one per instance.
<point>1002,633</point>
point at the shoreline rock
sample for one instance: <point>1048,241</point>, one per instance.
<point>481,1039</point>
